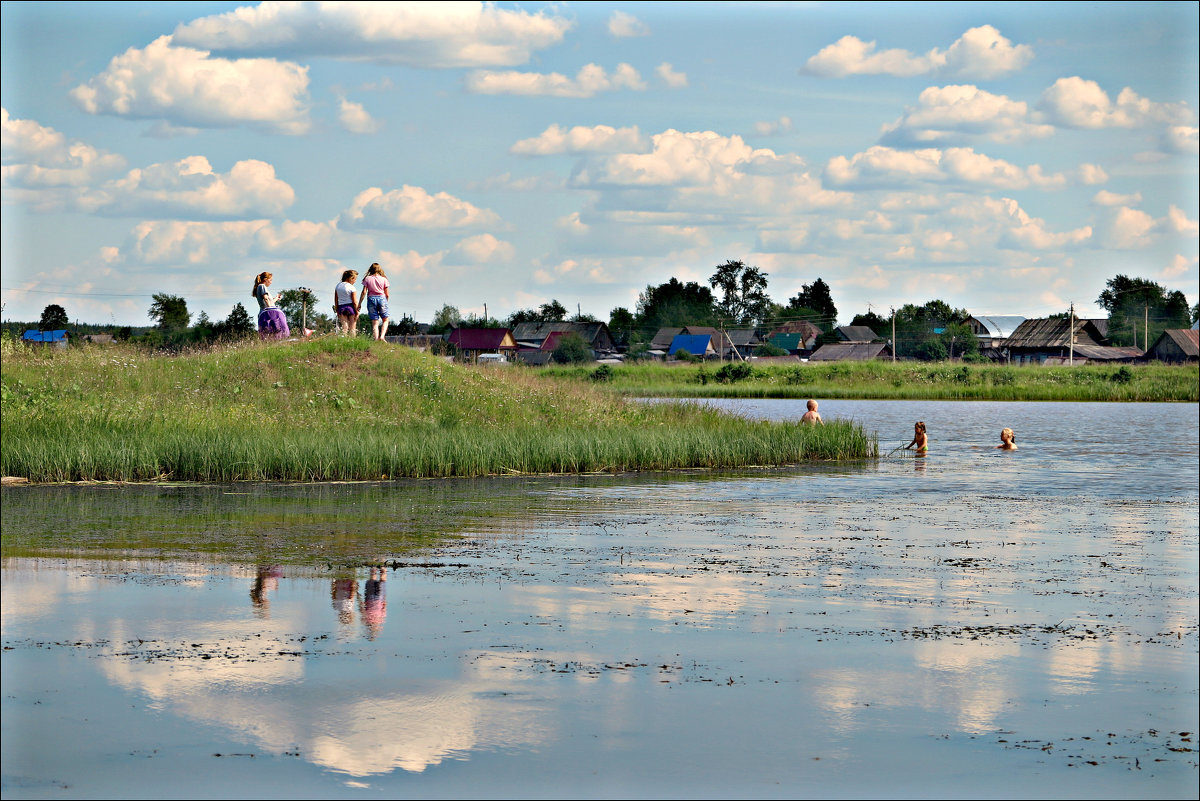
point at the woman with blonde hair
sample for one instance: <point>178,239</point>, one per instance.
<point>375,287</point>
<point>1008,440</point>
<point>344,304</point>
<point>272,323</point>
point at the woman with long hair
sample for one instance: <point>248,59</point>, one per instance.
<point>272,322</point>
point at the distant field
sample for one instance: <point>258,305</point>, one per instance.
<point>348,409</point>
<point>885,380</point>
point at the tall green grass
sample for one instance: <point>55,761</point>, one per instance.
<point>885,380</point>
<point>346,409</point>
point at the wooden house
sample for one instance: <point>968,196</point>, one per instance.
<point>851,352</point>
<point>474,342</point>
<point>1050,340</point>
<point>1176,345</point>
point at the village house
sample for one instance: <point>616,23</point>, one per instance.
<point>533,336</point>
<point>851,352</point>
<point>992,329</point>
<point>1049,341</point>
<point>475,342</point>
<point>794,343</point>
<point>47,339</point>
<point>853,334</point>
<point>1176,345</point>
<point>700,345</point>
<point>808,333</point>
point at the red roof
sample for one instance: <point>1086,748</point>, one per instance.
<point>481,338</point>
<point>551,342</point>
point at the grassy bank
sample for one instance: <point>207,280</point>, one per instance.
<point>896,381</point>
<point>339,409</point>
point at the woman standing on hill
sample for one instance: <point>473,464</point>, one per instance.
<point>271,320</point>
<point>344,305</point>
<point>375,287</point>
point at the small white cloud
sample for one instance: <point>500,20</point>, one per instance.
<point>1182,139</point>
<point>952,114</point>
<point>1091,174</point>
<point>191,189</point>
<point>590,80</point>
<point>581,139</point>
<point>188,88</point>
<point>437,35</point>
<point>1179,265</point>
<point>883,166</point>
<point>1077,103</point>
<point>482,249</point>
<point>624,25</point>
<point>773,127</point>
<point>980,52</point>
<point>36,156</point>
<point>1177,221</point>
<point>1106,198</point>
<point>668,75</point>
<point>413,207</point>
<point>355,119</point>
<point>1129,229</point>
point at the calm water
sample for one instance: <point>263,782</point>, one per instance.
<point>973,623</point>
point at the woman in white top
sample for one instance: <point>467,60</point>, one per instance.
<point>344,305</point>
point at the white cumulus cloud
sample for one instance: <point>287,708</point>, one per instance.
<point>1129,229</point>
<point>482,249</point>
<point>413,207</point>
<point>356,119</point>
<point>36,156</point>
<point>187,87</point>
<point>1183,139</point>
<point>880,166</point>
<point>773,127</point>
<point>590,80</point>
<point>668,75</point>
<point>416,34</point>
<point>191,189</point>
<point>980,52</point>
<point>1178,221</point>
<point>952,114</point>
<point>624,25</point>
<point>1106,198</point>
<point>1078,103</point>
<point>581,139</point>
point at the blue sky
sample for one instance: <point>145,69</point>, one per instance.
<point>1008,158</point>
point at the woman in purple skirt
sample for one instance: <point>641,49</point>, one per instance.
<point>272,324</point>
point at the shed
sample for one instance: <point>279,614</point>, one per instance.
<point>991,329</point>
<point>1039,339</point>
<point>1176,345</point>
<point>471,342</point>
<point>56,339</point>
<point>695,344</point>
<point>855,333</point>
<point>851,352</point>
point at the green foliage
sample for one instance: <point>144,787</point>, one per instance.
<point>814,299</point>
<point>444,319</point>
<point>170,313</point>
<point>621,325</point>
<point>733,372</point>
<point>1140,310</point>
<point>54,318</point>
<point>1123,375</point>
<point>675,305</point>
<point>571,349</point>
<point>743,291</point>
<point>602,374</point>
<point>770,349</point>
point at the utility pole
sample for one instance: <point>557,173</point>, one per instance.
<point>485,322</point>
<point>893,334</point>
<point>1071,336</point>
<point>1146,327</point>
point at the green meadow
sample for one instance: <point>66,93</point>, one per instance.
<point>334,409</point>
<point>885,380</point>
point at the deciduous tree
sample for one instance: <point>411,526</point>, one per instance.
<point>54,318</point>
<point>743,291</point>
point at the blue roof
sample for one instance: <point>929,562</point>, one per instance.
<point>44,336</point>
<point>695,344</point>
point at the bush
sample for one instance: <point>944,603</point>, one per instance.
<point>770,349</point>
<point>571,350</point>
<point>733,372</point>
<point>602,373</point>
<point>1122,376</point>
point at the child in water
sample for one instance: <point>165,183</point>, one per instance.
<point>1008,440</point>
<point>920,441</point>
<point>812,415</point>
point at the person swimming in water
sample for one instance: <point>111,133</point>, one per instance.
<point>1008,440</point>
<point>920,442</point>
<point>812,415</point>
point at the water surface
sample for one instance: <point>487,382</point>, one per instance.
<point>973,623</point>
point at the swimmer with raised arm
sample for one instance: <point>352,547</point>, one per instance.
<point>812,415</point>
<point>920,442</point>
<point>1008,440</point>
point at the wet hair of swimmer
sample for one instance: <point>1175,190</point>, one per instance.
<point>920,426</point>
<point>1012,435</point>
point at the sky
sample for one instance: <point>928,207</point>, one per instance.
<point>1007,158</point>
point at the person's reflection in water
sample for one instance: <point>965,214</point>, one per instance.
<point>266,579</point>
<point>918,465</point>
<point>374,602</point>
<point>344,590</point>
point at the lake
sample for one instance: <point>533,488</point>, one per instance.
<point>973,623</point>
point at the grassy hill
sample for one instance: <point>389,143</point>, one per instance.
<point>348,409</point>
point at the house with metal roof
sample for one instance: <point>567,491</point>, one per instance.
<point>533,335</point>
<point>991,329</point>
<point>808,331</point>
<point>694,344</point>
<point>56,339</point>
<point>1176,345</point>
<point>1050,340</point>
<point>855,333</point>
<point>851,352</point>
<point>743,342</point>
<point>474,342</point>
<point>662,340</point>
<point>793,342</point>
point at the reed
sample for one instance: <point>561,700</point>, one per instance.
<point>882,380</point>
<point>346,409</point>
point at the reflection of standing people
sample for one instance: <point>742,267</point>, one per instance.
<point>266,579</point>
<point>343,592</point>
<point>812,415</point>
<point>375,286</point>
<point>272,323</point>
<point>344,304</point>
<point>1008,440</point>
<point>374,604</point>
<point>920,442</point>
